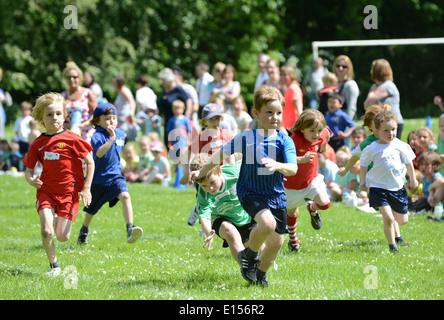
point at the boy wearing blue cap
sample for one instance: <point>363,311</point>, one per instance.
<point>108,184</point>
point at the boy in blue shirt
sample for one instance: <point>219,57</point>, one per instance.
<point>108,184</point>
<point>268,156</point>
<point>338,121</point>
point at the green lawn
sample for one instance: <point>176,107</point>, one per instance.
<point>347,259</point>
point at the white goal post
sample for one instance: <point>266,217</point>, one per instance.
<point>383,42</point>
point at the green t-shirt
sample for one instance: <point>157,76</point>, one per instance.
<point>440,150</point>
<point>225,203</point>
<point>367,141</point>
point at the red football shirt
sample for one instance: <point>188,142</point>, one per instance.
<point>60,155</point>
<point>309,170</point>
<point>208,144</point>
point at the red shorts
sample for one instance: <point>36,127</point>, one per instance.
<point>66,205</point>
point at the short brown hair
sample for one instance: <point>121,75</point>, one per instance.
<point>198,162</point>
<point>266,94</point>
<point>95,121</point>
<point>381,70</point>
<point>430,157</point>
<point>309,118</point>
<point>384,116</point>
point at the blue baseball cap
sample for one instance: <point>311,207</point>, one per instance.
<point>101,109</point>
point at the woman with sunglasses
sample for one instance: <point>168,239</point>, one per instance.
<point>347,86</point>
<point>80,102</point>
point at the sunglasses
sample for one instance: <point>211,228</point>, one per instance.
<point>69,77</point>
<point>341,66</point>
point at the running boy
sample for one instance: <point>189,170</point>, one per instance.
<point>268,156</point>
<point>108,184</point>
<point>59,151</point>
<point>219,209</point>
<point>390,157</point>
<point>310,136</point>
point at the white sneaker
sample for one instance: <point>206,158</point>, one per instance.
<point>53,272</point>
<point>133,234</point>
<point>193,217</point>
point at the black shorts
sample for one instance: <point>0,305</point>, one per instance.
<point>103,193</point>
<point>244,231</point>
<point>397,200</point>
<point>254,205</point>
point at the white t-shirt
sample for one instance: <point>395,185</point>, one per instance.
<point>146,98</point>
<point>389,160</point>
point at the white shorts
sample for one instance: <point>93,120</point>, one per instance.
<point>296,198</point>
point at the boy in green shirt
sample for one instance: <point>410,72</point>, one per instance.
<point>220,211</point>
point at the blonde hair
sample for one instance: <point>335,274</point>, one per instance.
<point>198,162</point>
<point>43,102</point>
<point>329,78</point>
<point>178,104</point>
<point>428,131</point>
<point>350,71</point>
<point>309,118</point>
<point>71,65</point>
<point>266,94</point>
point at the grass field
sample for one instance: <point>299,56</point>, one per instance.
<point>347,259</point>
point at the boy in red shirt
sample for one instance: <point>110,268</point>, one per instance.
<point>59,151</point>
<point>310,136</point>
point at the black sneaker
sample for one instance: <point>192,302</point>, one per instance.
<point>293,247</point>
<point>83,237</point>
<point>248,266</point>
<point>316,221</point>
<point>262,281</point>
<point>393,248</point>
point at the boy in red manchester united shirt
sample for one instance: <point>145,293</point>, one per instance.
<point>59,151</point>
<point>310,136</point>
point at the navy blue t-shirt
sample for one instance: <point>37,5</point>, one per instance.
<point>108,167</point>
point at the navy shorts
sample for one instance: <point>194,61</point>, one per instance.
<point>103,193</point>
<point>397,200</point>
<point>244,231</point>
<point>254,205</point>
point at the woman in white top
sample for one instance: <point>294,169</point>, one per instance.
<point>124,103</point>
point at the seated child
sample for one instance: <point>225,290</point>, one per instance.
<point>350,181</point>
<point>130,162</point>
<point>160,171</point>
<point>358,135</point>
<point>145,157</point>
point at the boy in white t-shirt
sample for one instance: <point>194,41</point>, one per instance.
<point>391,157</point>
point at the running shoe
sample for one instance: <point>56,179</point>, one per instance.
<point>53,272</point>
<point>248,266</point>
<point>83,237</point>
<point>293,247</point>
<point>316,221</point>
<point>133,234</point>
<point>193,217</point>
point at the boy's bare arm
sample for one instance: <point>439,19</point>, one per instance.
<point>350,164</point>
<point>33,181</point>
<point>105,147</point>
<point>287,169</point>
<point>363,173</point>
<point>85,194</point>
